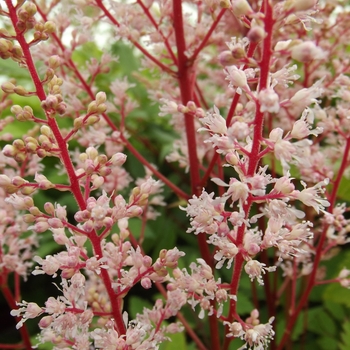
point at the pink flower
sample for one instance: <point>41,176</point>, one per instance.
<point>237,78</point>
<point>269,101</point>
<point>311,196</point>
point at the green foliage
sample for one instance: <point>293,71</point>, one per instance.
<point>177,341</point>
<point>345,336</point>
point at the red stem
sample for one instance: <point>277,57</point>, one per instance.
<point>135,43</point>
<point>186,88</point>
<point>42,97</point>
<point>207,36</point>
<point>253,156</point>
<point>65,158</point>
<point>155,24</point>
<point>229,117</point>
<point>312,279</point>
<point>137,155</point>
<point>160,176</point>
<point>12,304</point>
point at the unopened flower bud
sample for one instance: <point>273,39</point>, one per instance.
<point>32,209</point>
<point>225,4</point>
<point>101,108</point>
<point>18,181</point>
<point>92,152</point>
<point>118,159</point>
<point>28,218</point>
<point>8,88</point>
<point>18,143</point>
<point>108,222</point>
<point>92,119</point>
<point>241,8</point>
<point>20,157</point>
<point>226,58</point>
<point>29,8</point>
<point>61,108</point>
<point>41,153</point>
<point>238,52</point>
<point>49,208</point>
<point>55,223</point>
<point>9,151</point>
<point>51,102</point>
<point>88,226</point>
<point>236,76</point>
<point>256,34</point>
<point>4,180</point>
<point>16,109</point>
<point>191,106</point>
<point>98,181</point>
<point>101,97</point>
<point>17,52</point>
<point>27,190</point>
<point>5,45</point>
<point>78,123</point>
<point>45,130</point>
<point>50,27</point>
<point>92,107</point>
<point>37,35</point>
<point>20,90</point>
<point>200,113</point>
<point>43,139</point>
<point>182,109</point>
<point>49,74</point>
<point>231,158</point>
<point>134,211</point>
<point>45,322</point>
<point>146,283</point>
<point>60,237</point>
<point>54,61</point>
<point>104,171</point>
<point>27,113</point>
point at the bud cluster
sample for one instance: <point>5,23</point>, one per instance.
<point>22,114</point>
<point>42,31</point>
<point>10,88</point>
<point>97,166</point>
<point>191,108</point>
<point>99,214</point>
<point>15,184</point>
<point>95,108</point>
<point>56,217</point>
<point>9,50</point>
<point>43,146</point>
<point>54,100</point>
<point>26,21</point>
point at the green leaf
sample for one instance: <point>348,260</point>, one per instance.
<point>244,304</point>
<point>177,342</point>
<point>45,346</point>
<point>47,245</point>
<point>337,294</point>
<point>344,189</point>
<point>336,310</point>
<point>345,337</point>
<point>320,322</point>
<point>326,343</point>
<point>136,306</point>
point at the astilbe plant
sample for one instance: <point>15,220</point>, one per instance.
<point>255,100</point>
